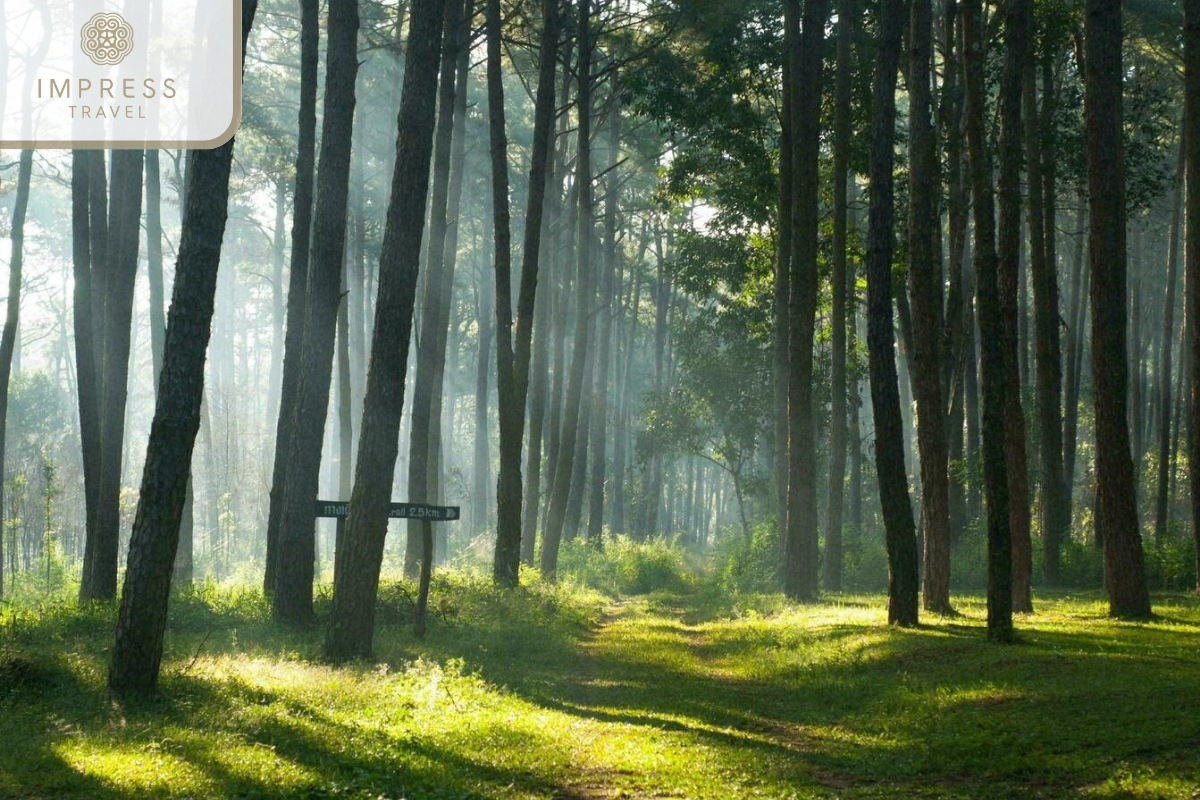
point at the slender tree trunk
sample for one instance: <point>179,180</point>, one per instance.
<point>1039,145</point>
<point>991,326</point>
<point>783,291</point>
<point>1123,559</point>
<point>599,404</point>
<point>297,300</point>
<point>925,290</point>
<point>900,532</point>
<point>1162,507</point>
<point>1075,341</point>
<point>841,175</point>
<point>358,561</point>
<point>956,330</point>
<point>540,378</point>
<point>512,361</point>
<point>801,557</point>
<point>141,621</point>
<point>292,599</point>
<point>8,339</point>
<point>1191,134</point>
<point>435,312</point>
<point>556,516</point>
<point>1016,39</point>
<point>86,379</point>
<point>482,459</point>
<point>124,229</point>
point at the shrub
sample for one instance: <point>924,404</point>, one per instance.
<point>627,567</point>
<point>749,566</point>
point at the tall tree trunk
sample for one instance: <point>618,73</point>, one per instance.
<point>540,369</point>
<point>986,267</point>
<point>297,300</point>
<point>900,532</point>
<point>435,311</point>
<point>296,546</point>
<point>512,360</point>
<point>8,339</point>
<point>782,290</point>
<point>485,303</point>
<point>1016,40</point>
<point>141,621</point>
<point>357,565</point>
<point>278,307</point>
<point>1039,146</point>
<point>956,328</point>
<point>121,260</point>
<point>1191,135</point>
<point>1074,356</point>
<point>925,290</point>
<point>1123,559</point>
<point>841,175</point>
<point>1162,506</point>
<point>86,378</point>
<point>801,555</point>
<point>184,556</point>
<point>599,404</point>
<point>556,516</point>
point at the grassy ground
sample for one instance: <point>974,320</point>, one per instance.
<point>564,694</point>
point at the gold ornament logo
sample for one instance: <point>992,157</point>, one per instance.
<point>107,39</point>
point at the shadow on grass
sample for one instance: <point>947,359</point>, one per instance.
<point>1063,708</point>
<point>833,705</point>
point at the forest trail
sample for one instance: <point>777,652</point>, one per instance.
<point>543,694</point>
<point>671,699</point>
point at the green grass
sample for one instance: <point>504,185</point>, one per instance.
<point>565,693</point>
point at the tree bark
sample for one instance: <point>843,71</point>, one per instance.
<point>604,311</point>
<point>435,312</point>
<point>121,261</point>
<point>357,564</point>
<point>900,532</point>
<point>1016,41</point>
<point>292,599</point>
<point>141,621</point>
<point>297,301</point>
<point>801,556</point>
<point>925,290</point>
<point>1075,340</point>
<point>86,378</point>
<point>1118,518</point>
<point>512,361</point>
<point>8,339</point>
<point>841,175</point>
<point>1039,144</point>
<point>1162,506</point>
<point>986,267</point>
<point>556,516</point>
<point>1191,134</point>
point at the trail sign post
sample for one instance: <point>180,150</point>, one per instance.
<point>339,510</point>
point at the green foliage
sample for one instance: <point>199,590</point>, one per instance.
<point>749,565</point>
<point>1172,566</point>
<point>628,567</point>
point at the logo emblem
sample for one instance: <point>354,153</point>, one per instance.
<point>107,39</point>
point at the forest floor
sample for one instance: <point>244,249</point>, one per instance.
<point>563,693</point>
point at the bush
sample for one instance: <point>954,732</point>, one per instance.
<point>1172,566</point>
<point>627,567</point>
<point>749,566</point>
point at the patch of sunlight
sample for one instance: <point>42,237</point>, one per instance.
<point>252,763</point>
<point>1139,782</point>
<point>146,770</point>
